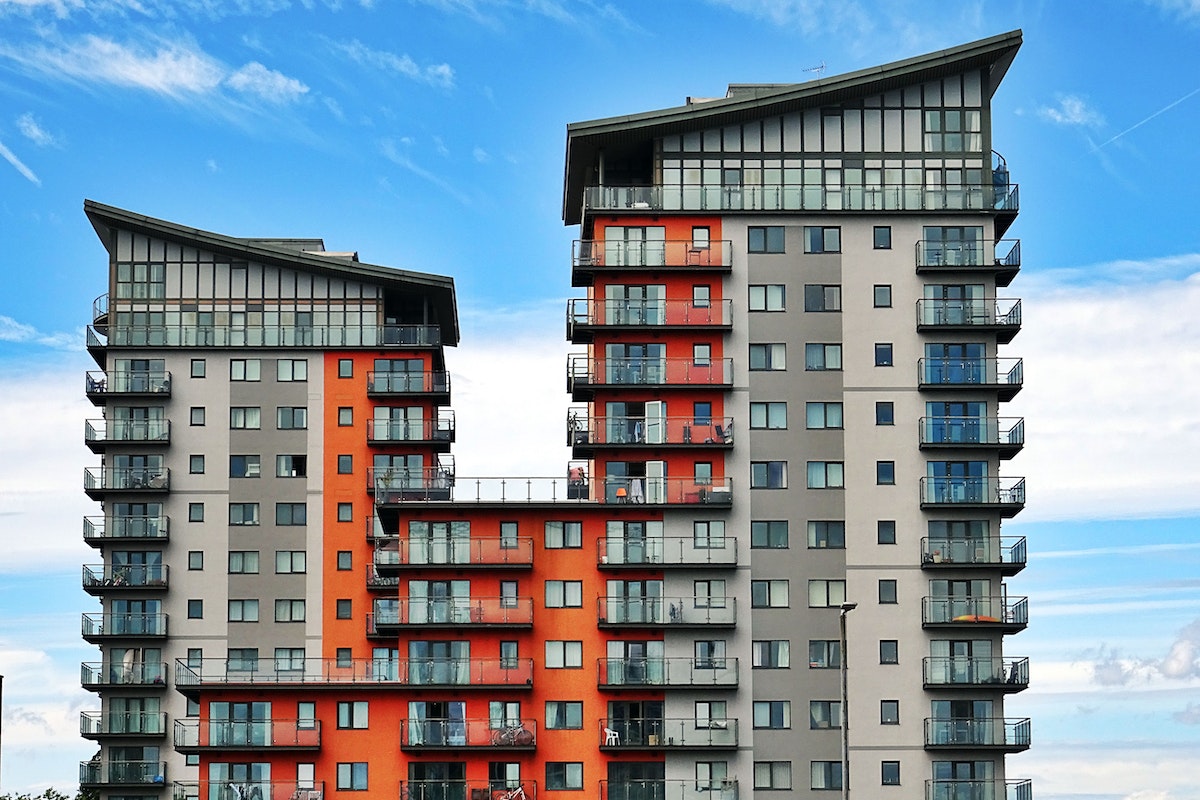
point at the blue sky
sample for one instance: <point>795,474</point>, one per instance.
<point>429,135</point>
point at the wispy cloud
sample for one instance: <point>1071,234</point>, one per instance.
<point>267,84</point>
<point>481,155</point>
<point>31,130</point>
<point>807,16</point>
<point>1072,110</point>
<point>400,158</point>
<point>13,331</point>
<point>19,166</point>
<point>440,75</point>
<point>60,8</point>
<point>1121,550</point>
<point>1185,9</point>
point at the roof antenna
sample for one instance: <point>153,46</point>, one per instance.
<point>819,69</point>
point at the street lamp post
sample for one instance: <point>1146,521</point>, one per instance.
<point>846,609</point>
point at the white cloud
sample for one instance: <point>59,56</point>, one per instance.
<point>401,158</point>
<point>1129,770</point>
<point>31,130</point>
<point>60,8</point>
<point>272,86</point>
<point>1072,110</point>
<point>29,175</point>
<point>212,166</point>
<point>441,75</point>
<point>481,155</point>
<point>808,16</point>
<point>1186,9</point>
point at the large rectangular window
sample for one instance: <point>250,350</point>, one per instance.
<point>826,534</point>
<point>564,775</point>
<point>826,593</point>
<point>775,714</point>
<point>819,356</point>
<point>243,611</point>
<point>564,715</point>
<point>245,369</point>
<point>826,475</point>
<point>769,533</point>
<point>243,513</point>
<point>768,297</point>
<point>822,239</point>
<point>563,535</point>
<point>291,369</point>
<point>820,297</point>
<point>768,416</point>
<point>245,418</point>
<point>824,654</point>
<point>765,239</point>
<point>564,594</point>
<point>769,594</point>
<point>823,415</point>
<point>769,357</point>
<point>564,654</point>
<point>291,514</point>
<point>768,474</point>
<point>826,775</point>
<point>291,418</point>
<point>772,654</point>
<point>772,775</point>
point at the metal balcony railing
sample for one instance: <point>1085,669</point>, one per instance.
<point>386,431</point>
<point>439,734</point>
<point>97,530</point>
<point>667,734</point>
<point>266,673</point>
<point>95,724</point>
<point>106,675</point>
<point>629,612</point>
<point>982,313</point>
<point>1006,495</point>
<point>281,734</point>
<point>97,433</point>
<point>667,551</point>
<point>1004,433</point>
<point>99,772</point>
<point>100,385</point>
<point>392,553</point>
<point>596,254</point>
<point>649,491</point>
<point>117,626</point>
<point>1000,611</point>
<point>1003,375</point>
<point>1009,674</point>
<point>317,336</point>
<point>1002,733</point>
<point>585,313</point>
<point>105,479</point>
<point>586,432</point>
<point>998,254</point>
<point>979,790</point>
<point>451,613</point>
<point>431,382</point>
<point>391,484</point>
<point>669,790</point>
<point>992,551</point>
<point>468,790</point>
<point>680,672</point>
<point>267,790</point>
<point>585,372</point>
<point>124,576</point>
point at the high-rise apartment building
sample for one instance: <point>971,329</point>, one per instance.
<point>776,550</point>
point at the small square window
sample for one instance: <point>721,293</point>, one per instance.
<point>345,368</point>
<point>885,531</point>
<point>885,473</point>
<point>195,609</point>
<point>195,559</point>
<point>192,760</point>
<point>344,609</point>
<point>197,415</point>
<point>345,416</point>
<point>196,465</point>
<point>889,712</point>
<point>885,412</point>
<point>887,591</point>
<point>883,295</point>
<point>345,560</point>
<point>889,773</point>
<point>883,354</point>
<point>199,369</point>
<point>701,296</point>
<point>195,512</point>
<point>889,651</point>
<point>345,464</point>
<point>345,512</point>
<point>883,237</point>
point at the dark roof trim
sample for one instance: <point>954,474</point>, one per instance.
<point>439,288</point>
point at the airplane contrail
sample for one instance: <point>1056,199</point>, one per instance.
<point>1162,110</point>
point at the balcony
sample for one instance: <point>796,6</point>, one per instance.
<point>98,773</point>
<point>1004,553</point>
<point>435,488</point>
<point>662,612</point>
<point>437,433</point>
<point>446,734</point>
<point>667,673</point>
<point>99,434</point>
<point>194,736</point>
<point>339,675</point>
<point>1004,435</point>
<point>1003,734</point>
<point>476,552</point>
<point>105,676</point>
<point>378,581</point>
<point>592,257</point>
<point>267,790</point>
<point>997,612</point>
<point>586,374</point>
<point>100,310</point>
<point>1001,316</point>
<point>1001,375</point>
<point>432,385</point>
<point>669,790</point>
<point>316,336</point>
<point>467,790</point>
<point>97,725</point>
<point>125,530</point>
<point>104,627</point>
<point>641,735</point>
<point>390,485</point>
<point>1000,258</point>
<point>964,672</point>
<point>1005,496</point>
<point>586,318</point>
<point>979,790</point>
<point>100,578</point>
<point>666,552</point>
<point>141,385</point>
<point>465,612</point>
<point>587,434</point>
<point>99,481</point>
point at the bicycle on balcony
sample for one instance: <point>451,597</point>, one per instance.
<point>513,736</point>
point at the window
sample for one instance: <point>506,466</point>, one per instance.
<point>345,512</point>
<point>564,594</point>
<point>702,412</point>
<point>195,609</point>
<point>700,238</point>
<point>885,473</point>
<point>765,239</point>
<point>245,418</point>
<point>291,466</point>
<point>768,474</point>
<point>352,776</point>
<point>345,464</point>
<point>560,535</point>
<point>819,297</point>
<point>345,416</point>
<point>772,654</point>
<point>826,534</point>
<point>243,611</point>
<point>883,237</point>
<point>564,774</point>
<point>883,295</point>
<point>239,658</point>
<point>245,466</point>
<point>197,415</point>
<point>345,560</point>
<point>564,715</point>
<point>772,533</point>
<point>243,562</point>
<point>701,296</point>
<point>344,609</point>
<point>823,415</point>
<point>503,714</point>
<point>245,369</point>
<point>826,775</point>
<point>195,559</point>
<point>291,369</point>
<point>141,281</point>
<point>709,594</point>
<point>352,714</point>
<point>768,356</point>
<point>822,239</point>
<point>824,714</point>
<point>889,773</point>
<point>196,465</point>
<point>768,297</point>
<point>887,591</point>
<point>292,658</point>
<point>772,775</point>
<point>199,369</point>
<point>768,416</point>
<point>885,531</point>
<point>952,130</point>
<point>826,594</point>
<point>508,655</point>
<point>826,475</point>
<point>769,594</point>
<point>344,657</point>
<point>195,512</point>
<point>711,714</point>
<point>883,354</point>
<point>889,651</point>
<point>289,562</point>
<point>889,712</point>
<point>776,714</point>
<point>702,473</point>
<point>702,355</point>
<point>291,418</point>
<point>508,536</point>
<point>564,655</point>
<point>243,513</point>
<point>819,357</point>
<point>289,611</point>
<point>708,534</point>
<point>885,413</point>
<point>345,368</point>
<point>291,514</point>
<point>508,594</point>
<point>709,653</point>
<point>824,654</point>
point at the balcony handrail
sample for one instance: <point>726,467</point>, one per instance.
<point>1001,608</point>
<point>473,610</point>
<point>469,732</point>
<point>101,673</point>
<point>126,478</point>
<point>969,311</point>
<point>981,550</point>
<point>668,253</point>
<point>668,732</point>
<point>454,552</point>
<point>270,790</point>
<point>267,672</point>
<point>224,733</point>
<point>383,336</point>
<point>650,491</point>
<point>973,430</point>
<point>988,253</point>
<point>981,731</point>
<point>146,381</point>
<point>514,789</point>
<point>408,382</point>
<point>123,575</point>
<point>668,671</point>
<point>426,429</point>
<point>127,430</point>
<point>991,789</point>
<point>973,490</point>
<point>666,610</point>
<point>975,671</point>
<point>118,625</point>
<point>132,527</point>
<point>122,773</point>
<point>669,789</point>
<point>648,313</point>
<point>100,306</point>
<point>674,370</point>
<point>681,549</point>
<point>960,371</point>
<point>615,430</point>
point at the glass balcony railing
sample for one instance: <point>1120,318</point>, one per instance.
<point>267,673</point>
<point>98,433</point>
<point>596,254</point>
<point>462,612</point>
<point>1008,734</point>
<point>649,491</point>
<point>101,385</point>
<point>979,790</point>
<point>439,734</point>
<point>1010,614</point>
<point>667,551</point>
<point>585,372</point>
<point>1005,433</point>
<point>330,336</point>
<point>1002,315</point>
<point>468,790</point>
<point>939,254</point>
<point>473,551</point>
<point>106,675</point>
<point>1009,674</point>
<point>585,314</point>
<point>586,432</point>
<point>391,484</point>
<point>97,577</point>
<point>117,626</point>
<point>378,579</point>
<point>99,772</point>
<point>667,734</point>
<point>1006,495</point>
<point>97,530</point>
<point>95,724</point>
<point>683,612</point>
<point>229,790</point>
<point>291,734</point>
<point>669,790</point>
<point>1005,552</point>
<point>1005,375</point>
<point>679,672</point>
<point>98,480</point>
<point>427,382</point>
<point>425,431</point>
